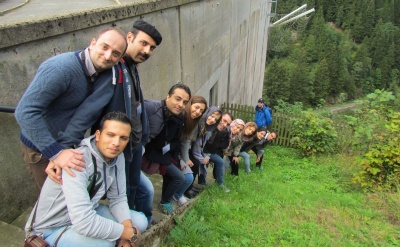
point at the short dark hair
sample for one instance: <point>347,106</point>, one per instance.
<point>116,116</point>
<point>181,86</point>
<point>227,113</point>
<point>262,129</point>
<point>276,134</point>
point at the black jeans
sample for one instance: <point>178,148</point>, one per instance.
<point>132,170</point>
<point>195,168</point>
<point>234,166</point>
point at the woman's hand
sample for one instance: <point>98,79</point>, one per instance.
<point>206,160</point>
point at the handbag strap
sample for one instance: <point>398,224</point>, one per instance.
<point>59,236</point>
<point>33,219</point>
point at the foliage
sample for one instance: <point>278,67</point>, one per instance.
<point>347,47</point>
<point>380,166</point>
<point>370,120</point>
<point>295,201</point>
<point>285,107</point>
<point>313,134</point>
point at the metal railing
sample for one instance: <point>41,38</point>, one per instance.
<point>8,109</point>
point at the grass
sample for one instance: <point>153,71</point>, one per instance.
<point>295,201</point>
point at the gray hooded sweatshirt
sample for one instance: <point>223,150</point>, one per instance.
<point>69,204</point>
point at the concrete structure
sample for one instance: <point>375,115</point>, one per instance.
<point>216,47</point>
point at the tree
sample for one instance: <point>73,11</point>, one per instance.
<point>321,82</point>
<point>276,82</point>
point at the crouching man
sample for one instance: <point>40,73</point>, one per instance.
<point>70,213</point>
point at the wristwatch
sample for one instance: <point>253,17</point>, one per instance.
<point>134,237</point>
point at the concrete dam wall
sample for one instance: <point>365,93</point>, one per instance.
<point>218,48</point>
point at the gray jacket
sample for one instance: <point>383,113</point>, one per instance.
<point>69,204</point>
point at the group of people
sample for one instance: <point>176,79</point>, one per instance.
<point>98,89</point>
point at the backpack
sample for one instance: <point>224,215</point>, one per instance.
<point>270,113</point>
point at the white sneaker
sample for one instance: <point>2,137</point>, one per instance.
<point>182,200</point>
<point>222,186</point>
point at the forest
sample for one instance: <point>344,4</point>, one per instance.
<point>341,52</point>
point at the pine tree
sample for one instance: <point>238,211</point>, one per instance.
<point>276,82</point>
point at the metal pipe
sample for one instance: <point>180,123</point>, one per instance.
<point>288,15</point>
<point>9,109</point>
<point>298,16</point>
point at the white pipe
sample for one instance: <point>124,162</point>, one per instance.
<point>291,13</point>
<point>298,16</point>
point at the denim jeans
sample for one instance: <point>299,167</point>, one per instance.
<point>144,197</point>
<point>132,173</point>
<point>188,181</point>
<point>172,181</point>
<point>72,238</point>
<point>227,164</point>
<point>246,158</point>
<point>218,168</point>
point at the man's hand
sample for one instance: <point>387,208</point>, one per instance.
<point>258,159</point>
<point>236,160</point>
<point>68,158</point>
<point>124,243</point>
<point>206,160</point>
<point>189,163</point>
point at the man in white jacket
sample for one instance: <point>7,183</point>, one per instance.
<point>72,211</point>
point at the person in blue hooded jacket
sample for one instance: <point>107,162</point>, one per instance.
<point>263,116</point>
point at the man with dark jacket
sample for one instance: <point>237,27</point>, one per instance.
<point>165,129</point>
<point>263,116</point>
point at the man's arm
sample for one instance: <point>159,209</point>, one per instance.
<point>48,84</point>
<point>268,117</point>
<point>88,112</point>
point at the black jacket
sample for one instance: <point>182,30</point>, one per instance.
<point>218,141</point>
<point>164,129</point>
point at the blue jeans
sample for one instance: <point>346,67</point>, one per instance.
<point>72,238</point>
<point>132,173</point>
<point>246,158</point>
<point>172,181</point>
<point>218,168</point>
<point>144,197</point>
<point>227,164</point>
<point>188,181</point>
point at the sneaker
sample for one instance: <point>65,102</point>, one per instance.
<point>222,186</point>
<point>196,189</point>
<point>182,200</point>
<point>201,180</point>
<point>166,208</point>
<point>151,223</point>
<point>191,194</point>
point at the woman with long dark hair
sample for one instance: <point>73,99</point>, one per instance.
<point>195,108</point>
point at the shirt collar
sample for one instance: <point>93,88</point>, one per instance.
<point>89,64</point>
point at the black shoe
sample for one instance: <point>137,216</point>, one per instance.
<point>201,180</point>
<point>197,189</point>
<point>190,194</point>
